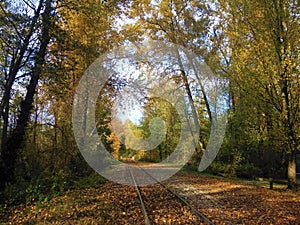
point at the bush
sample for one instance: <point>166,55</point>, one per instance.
<point>94,180</point>
<point>248,170</point>
<point>46,186</point>
<point>34,190</point>
<point>13,194</point>
<point>218,168</point>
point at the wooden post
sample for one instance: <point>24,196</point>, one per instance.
<point>271,183</point>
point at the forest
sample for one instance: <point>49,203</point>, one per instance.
<point>46,47</point>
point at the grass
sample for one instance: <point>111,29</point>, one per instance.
<point>263,184</point>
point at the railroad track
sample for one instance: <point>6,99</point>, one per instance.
<point>203,197</point>
<point>146,199</point>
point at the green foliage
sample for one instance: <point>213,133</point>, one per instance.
<point>218,168</point>
<point>263,70</point>
<point>32,191</point>
<point>93,180</point>
<point>248,170</point>
<point>47,186</point>
<point>13,194</point>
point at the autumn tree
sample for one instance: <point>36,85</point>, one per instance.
<point>41,21</point>
<point>183,23</point>
<point>46,48</point>
<point>159,108</point>
<point>263,38</point>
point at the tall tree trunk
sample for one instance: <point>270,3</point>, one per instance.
<point>16,138</point>
<point>5,115</point>
<point>280,40</point>
<point>192,105</point>
<point>14,68</point>
<point>16,64</point>
<point>291,171</point>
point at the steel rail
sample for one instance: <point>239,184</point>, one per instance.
<point>147,221</point>
<point>197,212</point>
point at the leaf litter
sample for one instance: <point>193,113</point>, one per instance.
<point>223,201</point>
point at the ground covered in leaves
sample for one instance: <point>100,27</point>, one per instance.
<point>228,202</point>
<point>223,201</point>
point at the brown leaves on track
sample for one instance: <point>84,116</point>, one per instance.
<point>224,202</point>
<point>164,208</point>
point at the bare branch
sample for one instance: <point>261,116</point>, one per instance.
<point>30,5</point>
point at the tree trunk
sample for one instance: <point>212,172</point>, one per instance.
<point>16,64</point>
<point>280,40</point>
<point>5,115</point>
<point>5,164</point>
<point>291,171</point>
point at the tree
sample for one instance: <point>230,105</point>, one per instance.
<point>263,39</point>
<point>17,49</point>
<point>14,142</point>
<point>85,31</point>
<point>183,23</point>
<point>160,108</point>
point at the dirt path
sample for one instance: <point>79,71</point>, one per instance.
<point>224,202</point>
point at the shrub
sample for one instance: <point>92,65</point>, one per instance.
<point>218,167</point>
<point>248,170</point>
